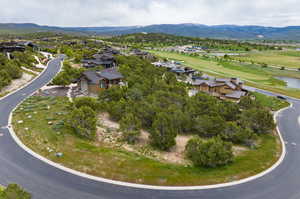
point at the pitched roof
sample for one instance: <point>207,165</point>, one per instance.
<point>111,74</point>
<point>95,76</point>
<point>92,76</point>
<point>236,94</point>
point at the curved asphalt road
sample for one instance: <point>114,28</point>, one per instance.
<point>47,182</point>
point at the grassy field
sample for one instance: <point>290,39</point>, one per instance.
<point>254,75</point>
<point>272,103</point>
<point>288,59</point>
<point>114,163</point>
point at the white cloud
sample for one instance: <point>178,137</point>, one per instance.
<point>145,12</point>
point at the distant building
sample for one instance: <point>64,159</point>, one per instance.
<point>92,82</point>
<point>105,58</point>
<point>142,54</point>
<point>9,47</point>
<point>231,89</point>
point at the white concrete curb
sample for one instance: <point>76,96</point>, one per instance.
<point>27,82</point>
<point>140,186</point>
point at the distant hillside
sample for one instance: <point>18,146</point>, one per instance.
<point>192,30</point>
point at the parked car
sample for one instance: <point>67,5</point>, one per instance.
<point>281,97</point>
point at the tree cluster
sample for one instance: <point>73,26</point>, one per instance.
<point>154,100</point>
<point>67,75</point>
<point>9,70</point>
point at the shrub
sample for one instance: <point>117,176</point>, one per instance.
<point>259,120</point>
<point>211,153</point>
<point>83,122</point>
<point>86,101</point>
<point>14,191</point>
<point>209,126</point>
<point>162,133</point>
<point>236,134</point>
<point>130,125</point>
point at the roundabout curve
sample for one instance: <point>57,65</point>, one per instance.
<point>48,180</point>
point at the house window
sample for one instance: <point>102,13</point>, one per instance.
<point>102,84</point>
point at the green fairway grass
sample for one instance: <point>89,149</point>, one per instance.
<point>253,75</point>
<point>288,59</point>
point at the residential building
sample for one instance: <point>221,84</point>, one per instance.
<point>92,82</point>
<point>231,89</point>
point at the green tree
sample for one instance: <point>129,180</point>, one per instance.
<point>259,120</point>
<point>209,126</point>
<point>62,79</point>
<point>83,122</point>
<point>236,134</point>
<point>163,133</point>
<point>247,102</point>
<point>86,101</point>
<point>14,191</point>
<point>211,153</point>
<point>130,125</point>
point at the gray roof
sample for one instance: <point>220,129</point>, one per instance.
<point>209,83</point>
<point>111,74</point>
<point>95,76</point>
<point>92,76</point>
<point>236,94</point>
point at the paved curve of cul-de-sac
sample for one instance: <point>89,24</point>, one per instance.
<point>47,182</point>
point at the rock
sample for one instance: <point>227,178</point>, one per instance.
<point>50,123</point>
<point>59,155</point>
<point>29,116</point>
<point>20,122</point>
<point>48,107</point>
<point>26,129</point>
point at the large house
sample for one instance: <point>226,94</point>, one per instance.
<point>9,47</point>
<point>92,82</point>
<point>142,54</point>
<point>105,58</point>
<point>231,89</point>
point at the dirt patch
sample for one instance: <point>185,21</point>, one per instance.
<point>76,65</point>
<point>55,91</point>
<point>237,150</point>
<point>15,84</point>
<point>109,134</point>
<point>107,122</point>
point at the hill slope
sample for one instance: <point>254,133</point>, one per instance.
<point>192,30</point>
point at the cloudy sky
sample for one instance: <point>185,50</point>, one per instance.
<point>145,12</point>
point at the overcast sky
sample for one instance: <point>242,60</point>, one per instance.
<point>146,12</point>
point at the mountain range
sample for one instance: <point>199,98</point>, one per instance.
<point>192,30</point>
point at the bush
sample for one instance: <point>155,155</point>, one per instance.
<point>163,134</point>
<point>259,120</point>
<point>211,153</point>
<point>209,126</point>
<point>14,191</point>
<point>247,103</point>
<point>130,125</point>
<point>83,122</point>
<point>86,101</point>
<point>236,134</point>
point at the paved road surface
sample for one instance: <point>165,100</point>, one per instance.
<point>47,182</point>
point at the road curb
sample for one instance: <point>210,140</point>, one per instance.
<point>1,98</point>
<point>152,187</point>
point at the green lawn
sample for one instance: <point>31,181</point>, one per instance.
<point>288,59</point>
<point>114,163</point>
<point>272,103</point>
<point>254,75</point>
